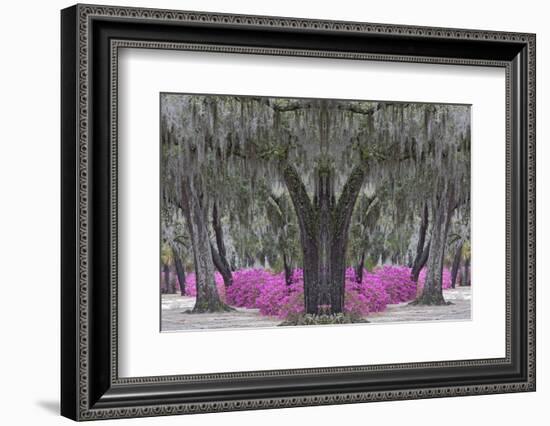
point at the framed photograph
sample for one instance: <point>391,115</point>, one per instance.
<point>263,212</point>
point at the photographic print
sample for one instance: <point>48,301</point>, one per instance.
<point>348,229</point>
<point>298,212</point>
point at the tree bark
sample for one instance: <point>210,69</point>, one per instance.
<point>307,223</point>
<point>466,275</point>
<point>219,256</point>
<point>456,263</point>
<point>360,267</point>
<point>421,263</point>
<point>282,236</point>
<point>324,229</point>
<point>421,251</point>
<point>208,299</point>
<point>222,267</point>
<point>180,270</point>
<point>218,232</point>
<point>288,269</point>
<point>167,284</point>
<point>324,201</point>
<point>432,293</point>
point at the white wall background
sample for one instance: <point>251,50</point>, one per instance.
<point>29,212</point>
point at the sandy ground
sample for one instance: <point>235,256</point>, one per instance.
<point>175,318</point>
<point>460,309</point>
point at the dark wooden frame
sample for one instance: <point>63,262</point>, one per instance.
<point>90,386</point>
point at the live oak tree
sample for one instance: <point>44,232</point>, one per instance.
<point>456,262</point>
<point>219,253</point>
<point>175,243</point>
<point>186,166</point>
<point>283,226</point>
<point>449,172</point>
<point>366,215</point>
<point>422,245</point>
<point>166,260</point>
<point>466,253</point>
<point>459,241</point>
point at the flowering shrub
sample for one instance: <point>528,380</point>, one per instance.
<point>268,292</point>
<point>259,288</point>
<point>397,283</point>
<point>384,286</point>
<point>247,284</point>
<point>361,300</point>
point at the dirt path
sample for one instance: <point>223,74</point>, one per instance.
<point>174,317</point>
<point>403,312</point>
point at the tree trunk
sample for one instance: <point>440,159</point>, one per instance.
<point>218,231</point>
<point>282,224</point>
<point>432,293</point>
<point>421,251</point>
<point>219,256</point>
<point>173,286</point>
<point>456,263</point>
<point>180,270</point>
<point>288,270</point>
<point>208,299</point>
<point>416,271</point>
<point>360,267</point>
<point>166,273</point>
<point>222,267</point>
<point>307,222</point>
<point>324,228</point>
<point>466,275</point>
<point>324,200</point>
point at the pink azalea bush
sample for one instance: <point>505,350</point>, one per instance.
<point>384,286</point>
<point>361,299</point>
<point>268,291</point>
<point>259,288</point>
<point>397,283</point>
<point>247,286</point>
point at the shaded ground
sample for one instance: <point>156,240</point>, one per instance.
<point>174,317</point>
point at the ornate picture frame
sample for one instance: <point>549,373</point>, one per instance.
<point>91,37</point>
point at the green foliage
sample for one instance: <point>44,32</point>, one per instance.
<point>370,264</point>
<point>231,150</point>
<point>166,256</point>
